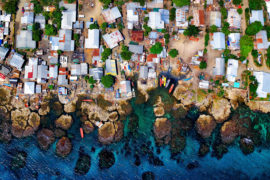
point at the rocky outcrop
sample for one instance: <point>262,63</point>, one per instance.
<point>44,109</point>
<point>205,124</point>
<point>24,123</point>
<point>204,149</point>
<point>70,107</point>
<point>229,132</point>
<point>263,106</point>
<point>106,159</point>
<point>246,145</point>
<point>64,122</point>
<point>159,111</point>
<point>113,116</point>
<point>45,138</point>
<point>220,109</point>
<point>236,96</point>
<point>5,96</point>
<point>63,147</point>
<point>88,127</point>
<point>204,101</point>
<point>162,130</point>
<point>106,133</point>
<point>119,131</point>
<point>83,164</point>
<point>184,93</point>
<point>57,108</point>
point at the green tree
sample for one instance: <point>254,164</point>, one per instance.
<point>256,4</point>
<point>126,54</point>
<point>224,13</point>
<point>93,26</point>
<point>254,28</point>
<point>105,3</point>
<point>237,2</point>
<point>172,14</point>
<point>192,31</point>
<point>156,48</point>
<point>147,29</point>
<point>225,28</point>
<point>206,39</point>
<point>146,19</point>
<point>240,11</point>
<point>38,8</point>
<point>104,26</point>
<point>213,28</point>
<point>107,81</point>
<point>37,32</point>
<point>10,6</point>
<point>203,65</point>
<point>50,30</point>
<point>246,45</point>
<point>254,53</point>
<point>105,54</point>
<point>181,3</point>
<point>173,53</point>
<point>59,52</point>
<point>91,80</point>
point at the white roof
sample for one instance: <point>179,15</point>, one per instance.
<point>68,18</point>
<point>215,18</point>
<point>27,18</point>
<point>62,80</point>
<point>53,71</point>
<point>84,68</point>
<point>132,18</point>
<point>155,21</point>
<point>16,61</point>
<point>29,88</point>
<point>268,6</point>
<point>234,19</point>
<point>204,84</point>
<point>75,69</point>
<point>234,40</point>
<point>218,41</point>
<point>181,16</point>
<point>113,39</point>
<point>110,15</point>
<point>92,42</point>
<point>263,79</point>
<point>261,40</point>
<point>3,53</point>
<point>5,17</point>
<point>30,72</point>
<point>24,40</point>
<point>42,73</point>
<point>125,87</point>
<point>220,67</point>
<point>257,15</point>
<point>154,4</point>
<point>232,70</point>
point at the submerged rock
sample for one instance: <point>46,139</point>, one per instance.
<point>59,133</point>
<point>246,145</point>
<point>148,175</point>
<point>45,138</point>
<point>204,149</point>
<point>205,124</point>
<point>106,133</point>
<point>63,147</point>
<point>113,116</point>
<point>159,111</point>
<point>34,120</point>
<point>220,109</point>
<point>64,122</point>
<point>57,108</point>
<point>229,132</point>
<point>88,127</point>
<point>106,159</point>
<point>219,150</point>
<point>177,144</point>
<point>5,132</point>
<point>162,130</point>
<point>70,107</point>
<point>18,160</point>
<point>193,165</point>
<point>83,164</point>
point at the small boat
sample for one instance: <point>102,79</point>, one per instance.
<point>81,131</point>
<point>88,100</point>
<point>168,82</point>
<point>164,81</point>
<point>99,124</point>
<point>171,88</point>
<point>160,82</point>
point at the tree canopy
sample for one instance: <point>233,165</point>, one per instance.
<point>237,2</point>
<point>172,14</point>
<point>37,32</point>
<point>105,54</point>
<point>126,54</point>
<point>225,28</point>
<point>156,48</point>
<point>181,3</point>
<point>203,65</point>
<point>256,4</point>
<point>107,81</point>
<point>173,53</point>
<point>192,31</point>
<point>213,28</point>
<point>94,26</point>
<point>10,6</point>
<point>246,45</point>
<point>50,30</point>
<point>104,26</point>
<point>254,28</point>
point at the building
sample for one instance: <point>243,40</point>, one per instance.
<point>234,19</point>
<point>113,39</point>
<point>165,15</point>
<point>31,70</point>
<point>75,70</point>
<point>16,61</point>
<point>125,88</point>
<point>132,14</point>
<point>84,69</point>
<point>234,41</point>
<point>155,21</point>
<point>204,84</point>
<point>154,4</point>
<point>64,42</point>
<point>232,70</point>
<point>215,18</point>
<point>263,79</point>
<point>53,71</point>
<point>41,20</point>
<point>137,36</point>
<point>111,67</point>
<point>218,41</point>
<point>62,80</point>
<point>92,42</point>
<point>3,53</point>
<point>143,72</point>
<point>219,70</point>
<point>24,40</point>
<point>69,15</point>
<point>97,73</point>
<point>267,2</point>
<point>42,75</point>
<point>29,88</point>
<point>27,18</point>
<point>257,15</point>
<point>110,15</point>
<point>181,16</point>
<point>136,49</point>
<point>261,40</point>
<point>198,18</point>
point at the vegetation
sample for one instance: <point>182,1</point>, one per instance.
<point>50,30</point>
<point>126,54</point>
<point>167,38</point>
<point>59,52</point>
<point>246,45</point>
<point>213,28</point>
<point>237,2</point>
<point>172,14</point>
<point>181,3</point>
<point>11,6</point>
<point>90,80</point>
<point>240,11</point>
<point>104,26</point>
<point>267,28</point>
<point>256,4</point>
<point>38,8</point>
<point>203,65</point>
<point>77,40</point>
<point>173,53</point>
<point>224,13</point>
<point>253,86</point>
<point>120,26</point>
<point>147,29</point>
<point>192,31</point>
<point>225,28</point>
<point>37,32</point>
<point>254,28</point>
<point>107,81</point>
<point>206,39</point>
<point>268,58</point>
<point>105,54</point>
<point>146,19</point>
<point>106,3</point>
<point>254,53</point>
<point>94,26</point>
<point>156,48</point>
<point>142,2</point>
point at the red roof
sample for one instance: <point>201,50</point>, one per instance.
<point>201,17</point>
<point>30,75</point>
<point>150,57</point>
<point>137,36</point>
<point>96,52</point>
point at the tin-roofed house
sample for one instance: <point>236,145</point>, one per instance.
<point>113,39</point>
<point>143,72</point>
<point>110,15</point>
<point>31,70</point>
<point>218,41</point>
<point>27,18</point>
<point>234,19</point>
<point>263,79</point>
<point>155,21</point>
<point>29,88</point>
<point>132,14</point>
<point>111,67</point>
<point>92,42</point>
<point>25,41</point>
<point>219,70</point>
<point>64,42</point>
<point>181,16</point>
<point>62,80</point>
<point>154,4</point>
<point>3,53</point>
<point>125,89</point>
<point>234,41</point>
<point>198,18</point>
<point>261,40</point>
<point>53,71</point>
<point>215,18</point>
<point>97,73</point>
<point>232,70</point>
<point>42,73</point>
<point>136,49</point>
<point>257,15</point>
<point>41,20</point>
<point>16,61</point>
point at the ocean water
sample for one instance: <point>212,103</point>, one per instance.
<point>46,165</point>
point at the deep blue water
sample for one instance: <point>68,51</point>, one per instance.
<point>46,165</point>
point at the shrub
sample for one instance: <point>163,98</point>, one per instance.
<point>192,31</point>
<point>50,30</point>
<point>254,28</point>
<point>172,14</point>
<point>173,53</point>
<point>156,48</point>
<point>181,3</point>
<point>206,39</point>
<point>203,65</point>
<point>213,28</point>
<point>246,45</point>
<point>240,11</point>
<point>126,54</point>
<point>107,81</point>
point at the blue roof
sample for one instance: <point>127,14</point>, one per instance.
<point>236,85</point>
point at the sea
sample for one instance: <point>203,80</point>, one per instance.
<point>42,164</point>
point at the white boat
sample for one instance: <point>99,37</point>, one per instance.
<point>167,83</point>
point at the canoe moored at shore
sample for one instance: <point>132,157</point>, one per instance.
<point>171,88</point>
<point>81,132</point>
<point>98,124</point>
<point>164,81</point>
<point>168,82</point>
<point>160,82</point>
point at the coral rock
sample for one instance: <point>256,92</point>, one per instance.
<point>45,138</point>
<point>162,129</point>
<point>205,124</point>
<point>159,111</point>
<point>88,127</point>
<point>63,147</point>
<point>229,132</point>
<point>44,109</point>
<point>113,116</point>
<point>220,110</point>
<point>106,133</point>
<point>64,122</point>
<point>34,120</point>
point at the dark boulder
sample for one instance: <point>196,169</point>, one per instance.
<point>18,159</point>
<point>45,138</point>
<point>148,175</point>
<point>106,159</point>
<point>83,164</point>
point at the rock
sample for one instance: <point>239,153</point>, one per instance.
<point>106,133</point>
<point>184,93</point>
<point>70,107</point>
<point>4,114</point>
<point>119,131</point>
<point>177,144</point>
<point>45,138</point>
<point>204,101</point>
<point>219,150</point>
<point>44,109</point>
<point>193,165</point>
<point>124,108</point>
<point>18,160</point>
<point>204,149</point>
<point>34,120</point>
<point>106,159</point>
<point>205,124</point>
<point>88,127</point>
<point>5,132</point>
<point>159,111</point>
<point>162,130</point>
<point>179,111</point>
<point>63,147</point>
<point>220,109</point>
<point>113,116</point>
<point>64,122</point>
<point>28,131</point>
<point>57,108</point>
<point>148,175</point>
<point>59,133</point>
<point>19,119</point>
<point>5,96</point>
<point>246,145</point>
<point>263,106</point>
<point>229,132</point>
<point>83,164</point>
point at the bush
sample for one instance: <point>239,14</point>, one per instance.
<point>50,30</point>
<point>146,19</point>
<point>206,39</point>
<point>224,13</point>
<point>203,65</point>
<point>240,11</point>
<point>157,48</point>
<point>246,45</point>
<point>254,53</point>
<point>192,31</point>
<point>37,32</point>
<point>254,28</point>
<point>225,28</point>
<point>181,3</point>
<point>10,6</point>
<point>256,4</point>
<point>107,81</point>
<point>105,54</point>
<point>147,29</point>
<point>172,14</point>
<point>94,26</point>
<point>213,28</point>
<point>126,54</point>
<point>268,58</point>
<point>104,26</point>
<point>237,2</point>
<point>173,53</point>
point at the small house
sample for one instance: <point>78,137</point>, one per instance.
<point>110,15</point>
<point>29,88</point>
<point>31,70</point>
<point>97,73</point>
<point>218,41</point>
<point>27,18</point>
<point>136,49</point>
<point>261,40</point>
<point>92,42</point>
<point>24,40</point>
<point>113,39</point>
<point>232,70</point>
<point>64,42</point>
<point>155,21</point>
<point>53,71</point>
<point>234,19</point>
<point>111,67</point>
<point>42,75</point>
<point>215,18</point>
<point>154,4</point>
<point>16,61</point>
<point>198,18</point>
<point>181,17</point>
<point>143,72</point>
<point>41,20</point>
<point>219,70</point>
<point>137,36</point>
<point>257,15</point>
<point>234,41</point>
<point>68,18</point>
<point>62,80</point>
<point>3,53</point>
<point>125,88</point>
<point>204,84</point>
<point>263,79</point>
